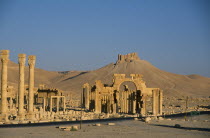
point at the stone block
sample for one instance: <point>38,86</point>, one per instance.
<point>96,124</point>
<point>147,119</point>
<point>111,124</point>
<point>61,127</point>
<point>160,118</point>
<point>136,119</point>
<point>74,128</point>
<point>66,129</point>
<point>73,119</point>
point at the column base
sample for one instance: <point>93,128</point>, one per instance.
<point>143,112</point>
<point>21,117</point>
<point>3,118</point>
<point>97,112</point>
<point>114,108</point>
<point>31,116</point>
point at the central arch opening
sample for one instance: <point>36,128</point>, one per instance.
<point>129,98</point>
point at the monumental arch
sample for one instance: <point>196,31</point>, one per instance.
<point>112,99</point>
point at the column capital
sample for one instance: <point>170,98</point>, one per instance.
<point>4,56</point>
<point>31,60</point>
<point>21,59</point>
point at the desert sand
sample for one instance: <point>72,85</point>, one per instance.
<point>198,126</point>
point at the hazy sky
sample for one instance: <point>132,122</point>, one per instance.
<point>173,35</point>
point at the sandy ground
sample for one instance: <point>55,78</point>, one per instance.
<point>122,129</point>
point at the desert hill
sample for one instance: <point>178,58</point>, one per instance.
<point>41,76</point>
<point>72,81</point>
<point>172,84</point>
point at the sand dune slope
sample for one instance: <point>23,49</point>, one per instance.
<point>172,84</point>
<point>72,81</point>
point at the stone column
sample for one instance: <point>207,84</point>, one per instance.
<point>143,109</point>
<point>154,106</point>
<point>134,103</point>
<point>97,102</point>
<point>50,104</point>
<point>44,104</point>
<point>31,64</point>
<point>126,102</point>
<point>108,106</point>
<point>122,101</point>
<point>64,104</point>
<point>114,108</point>
<point>4,108</point>
<point>58,99</point>
<point>161,102</point>
<point>21,60</point>
<point>87,97</point>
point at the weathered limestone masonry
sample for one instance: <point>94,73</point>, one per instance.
<point>31,63</point>
<point>4,108</point>
<point>58,99</point>
<point>51,99</point>
<point>86,89</point>
<point>21,90</point>
<point>100,98</point>
<point>128,58</point>
<point>51,108</point>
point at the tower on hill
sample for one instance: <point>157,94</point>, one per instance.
<point>128,58</point>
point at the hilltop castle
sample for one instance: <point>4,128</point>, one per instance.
<point>128,58</point>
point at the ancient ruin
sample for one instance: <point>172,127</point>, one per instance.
<point>127,95</point>
<point>50,99</point>
<point>128,58</point>
<point>4,107</point>
<point>29,103</point>
<point>124,96</point>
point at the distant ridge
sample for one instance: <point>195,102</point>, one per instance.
<point>72,81</point>
<point>172,84</point>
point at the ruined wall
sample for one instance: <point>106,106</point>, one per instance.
<point>128,58</point>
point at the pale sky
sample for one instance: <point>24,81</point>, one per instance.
<point>173,35</point>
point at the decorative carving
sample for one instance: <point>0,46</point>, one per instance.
<point>21,59</point>
<point>4,55</point>
<point>31,60</point>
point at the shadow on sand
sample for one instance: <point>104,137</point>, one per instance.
<point>186,128</point>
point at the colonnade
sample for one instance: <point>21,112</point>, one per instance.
<point>58,99</point>
<point>4,56</point>
<point>128,102</point>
